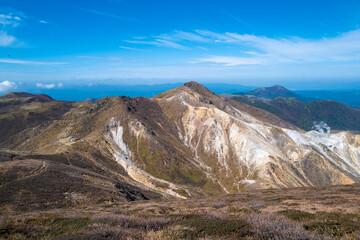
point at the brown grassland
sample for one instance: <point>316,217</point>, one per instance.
<point>299,213</point>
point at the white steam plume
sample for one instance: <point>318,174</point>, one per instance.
<point>321,127</point>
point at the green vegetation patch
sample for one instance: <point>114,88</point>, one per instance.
<point>65,225</point>
<point>41,228</point>
<point>241,210</point>
<point>331,224</point>
<point>297,215</point>
<point>202,226</point>
<point>335,224</point>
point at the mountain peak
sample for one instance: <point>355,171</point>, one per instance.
<point>273,92</point>
<point>199,88</point>
<point>194,85</point>
<point>280,87</point>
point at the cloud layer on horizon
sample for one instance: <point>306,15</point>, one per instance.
<point>49,86</point>
<point>7,86</point>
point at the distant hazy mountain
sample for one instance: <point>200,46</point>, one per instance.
<point>268,93</point>
<point>303,114</point>
<point>303,111</point>
<point>349,97</point>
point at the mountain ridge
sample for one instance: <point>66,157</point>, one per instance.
<point>183,143</point>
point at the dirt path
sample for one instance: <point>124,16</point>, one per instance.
<point>37,171</point>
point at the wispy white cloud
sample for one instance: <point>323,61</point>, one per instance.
<point>130,48</point>
<point>106,14</point>
<point>229,61</point>
<point>6,40</point>
<point>214,37</point>
<point>178,36</point>
<point>42,21</point>
<point>17,61</point>
<point>345,46</point>
<point>10,20</point>
<point>49,86</point>
<point>171,40</point>
<point>7,86</point>
<point>254,49</point>
<point>111,58</point>
<point>159,43</point>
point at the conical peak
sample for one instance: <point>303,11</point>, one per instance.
<point>199,88</point>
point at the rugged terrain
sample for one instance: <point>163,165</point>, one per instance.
<point>183,143</point>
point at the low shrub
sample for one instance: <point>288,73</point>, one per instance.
<point>297,215</point>
<point>267,226</point>
<point>22,229</point>
<point>140,222</point>
<point>210,225</point>
<point>103,231</point>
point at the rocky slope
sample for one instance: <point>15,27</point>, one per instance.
<point>189,142</point>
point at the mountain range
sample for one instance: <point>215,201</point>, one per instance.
<point>182,143</point>
<point>301,111</point>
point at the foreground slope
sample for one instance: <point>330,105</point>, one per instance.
<point>33,182</point>
<point>189,141</point>
<point>298,213</point>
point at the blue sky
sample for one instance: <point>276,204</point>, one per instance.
<point>51,44</point>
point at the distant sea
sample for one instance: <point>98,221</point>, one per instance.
<point>80,93</point>
<point>350,97</point>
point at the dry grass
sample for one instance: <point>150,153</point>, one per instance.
<point>214,225</point>
<point>143,223</point>
<point>269,226</point>
<point>267,214</point>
